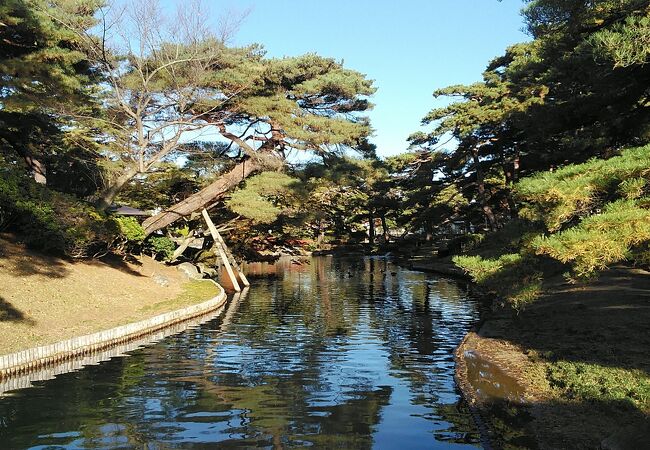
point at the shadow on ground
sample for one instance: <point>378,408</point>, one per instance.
<point>16,259</point>
<point>554,425</point>
<point>118,263</point>
<point>596,338</point>
<point>19,261</point>
<point>9,313</point>
<point>604,322</point>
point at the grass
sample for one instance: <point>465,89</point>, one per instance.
<point>193,292</point>
<point>586,368</point>
<point>594,382</point>
<point>44,299</point>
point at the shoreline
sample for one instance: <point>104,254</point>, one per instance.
<point>570,371</point>
<point>36,358</point>
<point>467,392</point>
<point>45,299</point>
<point>56,311</point>
<point>22,381</point>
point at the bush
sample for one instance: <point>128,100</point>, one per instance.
<point>131,235</point>
<point>130,229</point>
<point>51,221</point>
<point>162,245</point>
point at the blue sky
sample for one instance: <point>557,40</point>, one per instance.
<point>409,47</point>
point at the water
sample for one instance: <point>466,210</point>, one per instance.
<point>489,382</point>
<point>334,353</point>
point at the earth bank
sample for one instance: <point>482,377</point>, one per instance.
<point>570,371</point>
<point>45,299</point>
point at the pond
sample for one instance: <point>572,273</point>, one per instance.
<point>322,353</point>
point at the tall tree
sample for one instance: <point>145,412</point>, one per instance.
<point>44,78</point>
<point>578,90</point>
<point>306,103</point>
<point>163,77</point>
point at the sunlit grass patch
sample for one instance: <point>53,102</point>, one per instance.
<point>589,382</point>
<point>515,278</point>
<point>194,291</point>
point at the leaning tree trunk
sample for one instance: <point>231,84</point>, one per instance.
<point>203,198</point>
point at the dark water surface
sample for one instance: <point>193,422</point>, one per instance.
<point>337,353</point>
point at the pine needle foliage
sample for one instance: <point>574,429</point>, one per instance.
<point>578,190</point>
<point>584,217</point>
<point>601,239</point>
<point>261,198</point>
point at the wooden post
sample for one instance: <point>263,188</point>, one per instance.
<point>183,245</point>
<point>232,260</point>
<point>219,240</point>
<point>222,253</point>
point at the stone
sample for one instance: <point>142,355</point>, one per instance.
<point>189,270</point>
<point>206,270</point>
<point>160,279</point>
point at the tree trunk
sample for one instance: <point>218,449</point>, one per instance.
<point>37,168</point>
<point>511,174</point>
<point>107,196</point>
<point>482,197</point>
<point>384,227</point>
<point>203,198</point>
<point>321,234</point>
<point>371,229</point>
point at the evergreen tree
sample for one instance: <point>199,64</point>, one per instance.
<point>577,90</point>
<point>46,81</point>
<point>305,103</point>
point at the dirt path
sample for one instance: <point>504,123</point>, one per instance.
<point>44,299</point>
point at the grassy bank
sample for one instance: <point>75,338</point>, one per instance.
<point>580,353</point>
<point>44,299</point>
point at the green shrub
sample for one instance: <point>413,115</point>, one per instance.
<point>162,245</point>
<point>51,221</point>
<point>131,229</point>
